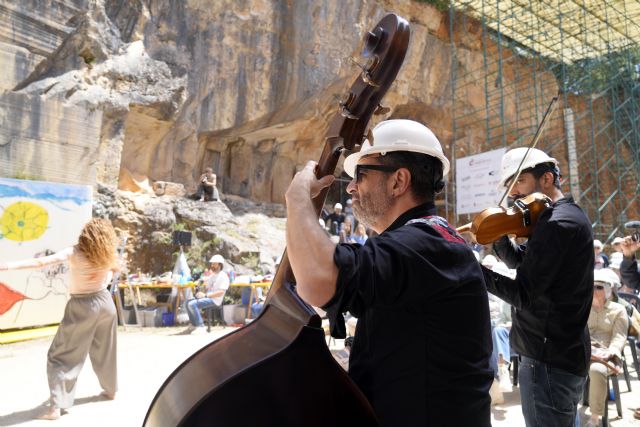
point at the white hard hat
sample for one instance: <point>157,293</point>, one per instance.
<point>512,158</point>
<point>489,261</point>
<point>337,206</point>
<point>217,258</point>
<point>597,244</point>
<point>617,240</point>
<point>615,260</point>
<point>606,275</point>
<point>399,135</point>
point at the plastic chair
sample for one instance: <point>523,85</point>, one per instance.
<point>612,381</point>
<point>214,315</point>
<point>515,359</point>
<point>635,301</point>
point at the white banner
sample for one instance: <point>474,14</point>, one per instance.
<point>477,179</point>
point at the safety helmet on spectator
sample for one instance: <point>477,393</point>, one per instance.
<point>608,278</point>
<point>217,259</point>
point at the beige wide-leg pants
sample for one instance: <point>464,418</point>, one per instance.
<point>89,326</point>
<point>597,388</point>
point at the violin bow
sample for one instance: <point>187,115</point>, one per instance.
<point>533,144</point>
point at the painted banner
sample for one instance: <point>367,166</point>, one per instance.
<point>37,219</point>
<point>477,179</point>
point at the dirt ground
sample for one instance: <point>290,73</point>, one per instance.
<point>146,356</point>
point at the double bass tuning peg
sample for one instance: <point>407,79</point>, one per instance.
<point>372,62</point>
<point>380,109</point>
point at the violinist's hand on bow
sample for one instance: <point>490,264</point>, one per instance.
<point>629,247</point>
<point>305,185</point>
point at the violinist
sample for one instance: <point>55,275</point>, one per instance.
<point>551,293</point>
<point>414,356</point>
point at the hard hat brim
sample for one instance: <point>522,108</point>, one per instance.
<point>352,160</point>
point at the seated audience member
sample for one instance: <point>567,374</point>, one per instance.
<point>630,274</point>
<point>608,325</point>
<point>216,285</point>
<point>601,260</point>
<point>500,313</point>
<point>632,312</point>
<point>615,260</point>
<point>346,233</point>
<point>256,303</point>
<point>335,219</point>
<point>617,245</point>
<point>207,187</point>
<point>348,213</point>
<point>360,236</point>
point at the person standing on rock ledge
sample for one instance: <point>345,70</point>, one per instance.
<point>207,189</point>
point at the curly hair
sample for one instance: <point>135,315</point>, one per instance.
<point>98,242</point>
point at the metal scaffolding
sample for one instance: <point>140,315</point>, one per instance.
<point>510,57</point>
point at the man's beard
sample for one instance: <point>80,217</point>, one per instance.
<point>511,200</point>
<point>372,206</point>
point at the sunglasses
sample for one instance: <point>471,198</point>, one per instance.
<point>360,168</point>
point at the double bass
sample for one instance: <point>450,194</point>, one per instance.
<point>278,370</point>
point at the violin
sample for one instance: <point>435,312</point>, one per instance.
<point>519,220</point>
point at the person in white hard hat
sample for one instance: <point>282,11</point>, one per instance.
<point>601,260</point>
<point>608,325</point>
<point>551,292</point>
<point>335,219</point>
<point>215,288</point>
<point>407,286</point>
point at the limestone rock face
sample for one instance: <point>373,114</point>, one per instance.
<point>247,88</point>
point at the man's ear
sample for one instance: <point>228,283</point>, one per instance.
<point>402,181</point>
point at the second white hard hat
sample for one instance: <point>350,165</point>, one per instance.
<point>217,258</point>
<point>512,158</point>
<point>399,135</point>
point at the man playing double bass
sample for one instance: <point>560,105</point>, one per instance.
<point>422,344</point>
<point>551,293</point>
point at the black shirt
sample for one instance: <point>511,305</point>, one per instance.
<point>423,339</point>
<point>629,272</point>
<point>553,289</point>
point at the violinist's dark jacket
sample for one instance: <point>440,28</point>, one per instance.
<point>423,339</point>
<point>552,292</point>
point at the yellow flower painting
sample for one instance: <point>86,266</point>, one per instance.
<point>23,221</point>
